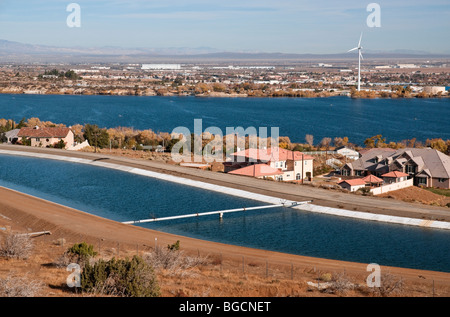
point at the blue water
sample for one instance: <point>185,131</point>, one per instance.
<point>358,119</point>
<point>122,196</point>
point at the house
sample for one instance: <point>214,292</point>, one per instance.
<point>352,184</point>
<point>373,181</point>
<point>394,177</point>
<point>347,152</point>
<point>12,136</point>
<point>427,167</point>
<point>47,137</point>
<point>294,165</point>
<point>259,171</point>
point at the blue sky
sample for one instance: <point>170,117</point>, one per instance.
<point>289,26</point>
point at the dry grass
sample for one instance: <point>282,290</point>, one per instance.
<point>16,246</point>
<point>19,286</point>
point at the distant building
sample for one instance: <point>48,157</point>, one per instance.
<point>161,66</point>
<point>407,66</point>
<point>434,89</point>
<point>45,137</point>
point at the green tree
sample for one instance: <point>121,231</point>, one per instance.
<point>70,74</point>
<point>60,144</point>
<point>21,124</point>
<point>99,138</point>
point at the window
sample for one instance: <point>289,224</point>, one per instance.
<point>422,181</point>
<point>441,180</point>
<point>298,177</point>
<point>38,139</point>
<point>410,169</point>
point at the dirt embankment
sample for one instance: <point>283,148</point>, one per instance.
<point>416,194</point>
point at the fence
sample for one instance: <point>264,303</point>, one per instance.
<point>395,186</point>
<point>320,152</point>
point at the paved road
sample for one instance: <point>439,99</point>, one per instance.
<point>321,197</point>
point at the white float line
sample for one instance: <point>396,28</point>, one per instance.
<point>220,212</point>
<point>242,193</point>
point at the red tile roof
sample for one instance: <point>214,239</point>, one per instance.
<point>372,179</point>
<point>353,182</point>
<point>54,132</point>
<point>394,174</point>
<point>257,170</point>
<point>273,154</point>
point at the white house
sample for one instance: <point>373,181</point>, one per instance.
<point>347,152</point>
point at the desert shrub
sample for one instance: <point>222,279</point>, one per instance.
<point>79,253</point>
<point>82,250</point>
<point>365,191</point>
<point>13,286</point>
<point>389,285</point>
<point>16,246</point>
<point>125,278</point>
<point>339,284</point>
<point>175,246</point>
<point>174,261</point>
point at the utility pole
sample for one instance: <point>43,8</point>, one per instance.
<point>303,164</point>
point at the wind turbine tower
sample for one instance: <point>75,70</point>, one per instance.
<point>360,57</point>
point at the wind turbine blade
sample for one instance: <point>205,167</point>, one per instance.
<point>360,38</point>
<point>353,49</point>
<point>360,54</point>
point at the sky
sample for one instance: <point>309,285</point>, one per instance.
<point>287,26</point>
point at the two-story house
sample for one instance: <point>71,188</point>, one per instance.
<point>276,163</point>
<point>428,167</point>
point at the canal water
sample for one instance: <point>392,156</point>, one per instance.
<point>122,196</point>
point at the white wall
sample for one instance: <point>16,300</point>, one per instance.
<point>391,187</point>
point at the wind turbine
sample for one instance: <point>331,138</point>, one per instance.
<point>360,57</point>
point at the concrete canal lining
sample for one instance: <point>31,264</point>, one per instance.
<point>240,193</point>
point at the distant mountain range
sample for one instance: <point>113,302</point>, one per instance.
<point>15,52</point>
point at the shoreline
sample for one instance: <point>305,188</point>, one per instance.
<point>233,96</point>
<point>44,215</point>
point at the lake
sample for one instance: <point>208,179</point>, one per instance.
<point>358,119</point>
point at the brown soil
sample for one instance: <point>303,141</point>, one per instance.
<point>416,194</point>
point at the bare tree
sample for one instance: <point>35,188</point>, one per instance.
<point>309,139</point>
